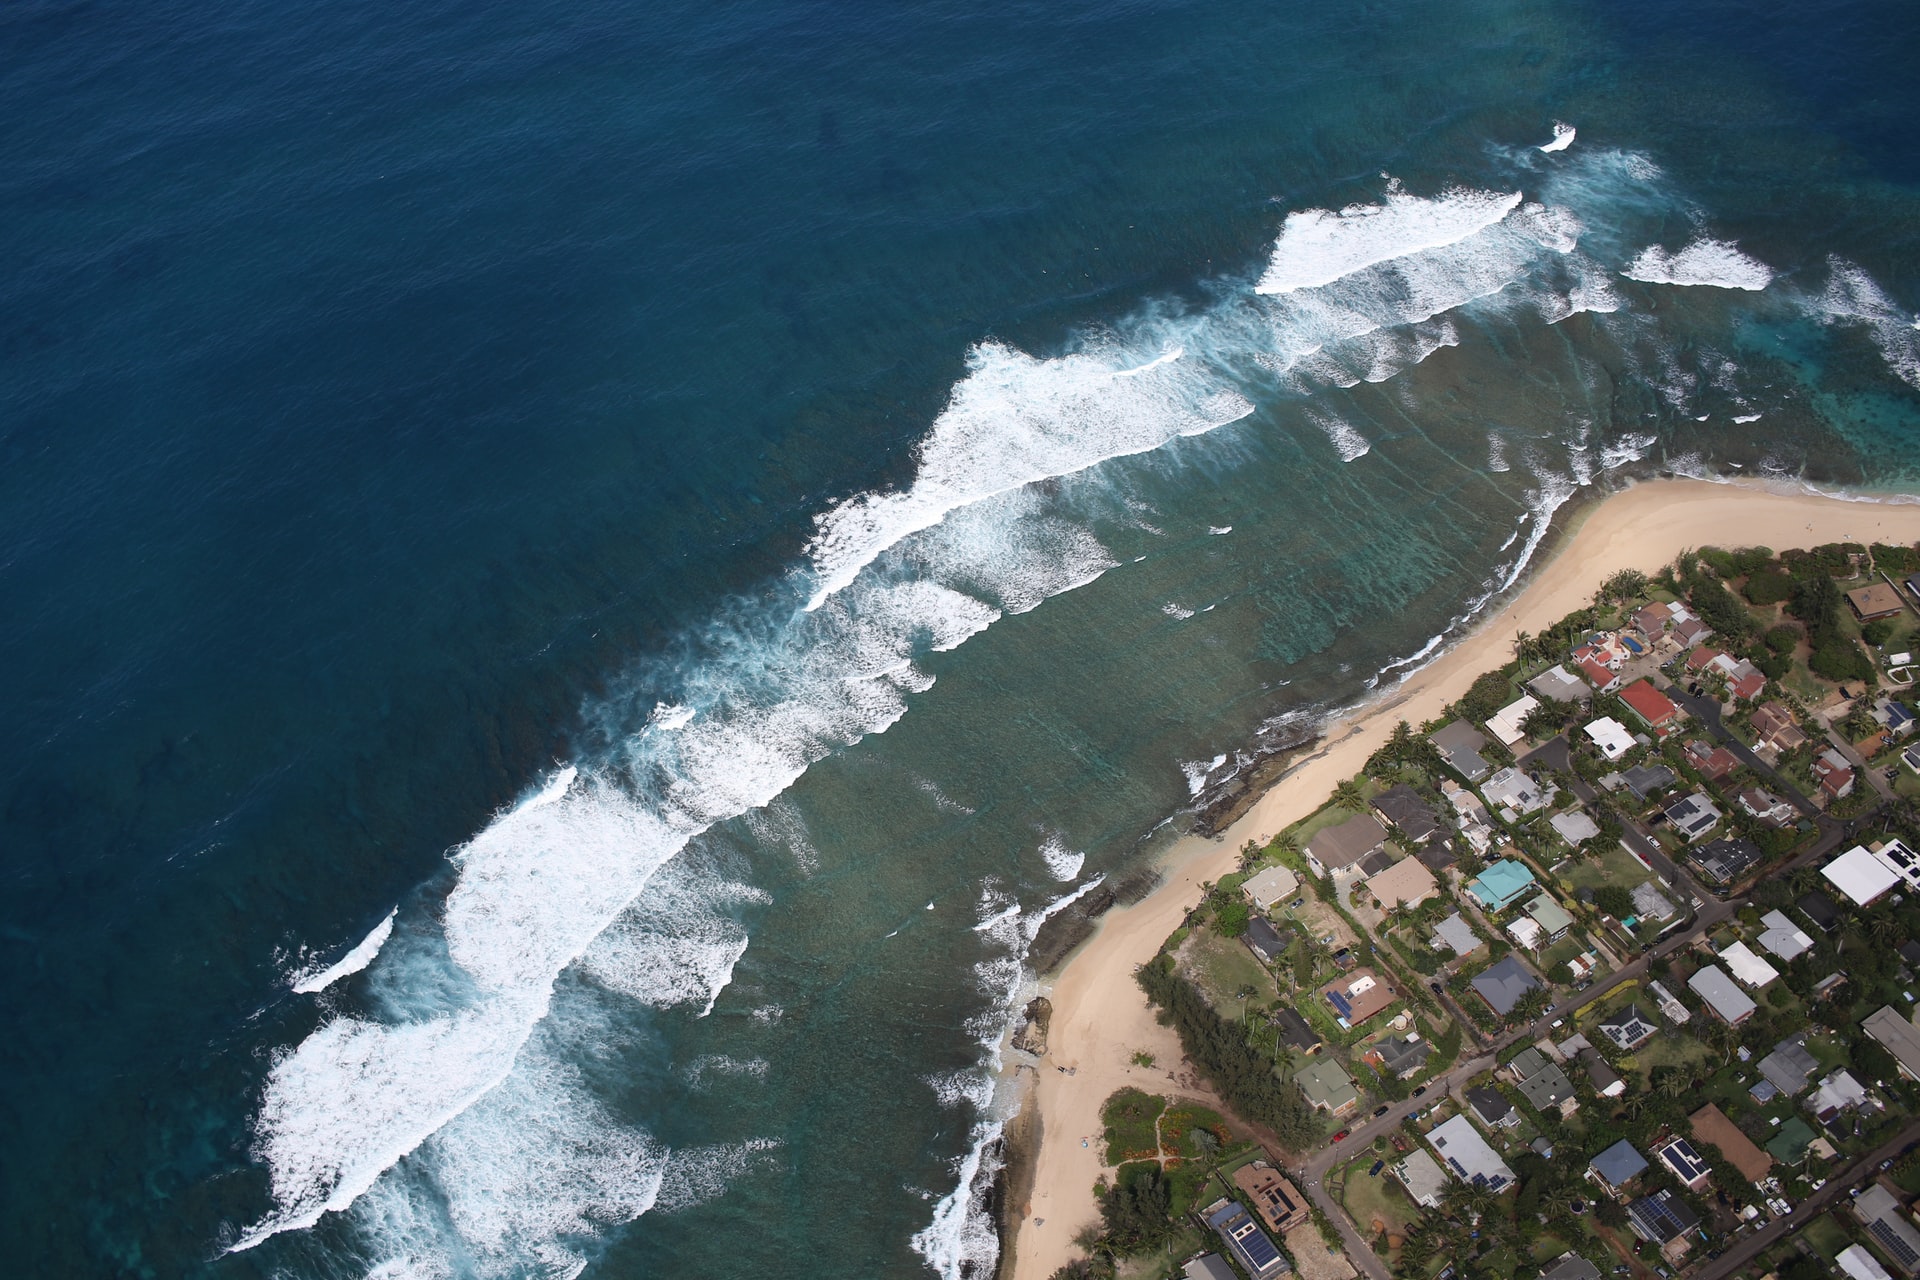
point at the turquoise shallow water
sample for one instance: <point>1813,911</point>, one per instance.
<point>580,579</point>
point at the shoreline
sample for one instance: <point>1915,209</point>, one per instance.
<point>1101,1018</point>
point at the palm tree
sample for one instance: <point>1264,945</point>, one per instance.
<point>1523,646</point>
<point>1675,1084</point>
<point>1636,1105</point>
<point>1532,1005</point>
<point>1349,796</point>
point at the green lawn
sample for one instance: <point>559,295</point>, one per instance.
<point>1129,1117</point>
<point>1614,866</point>
<point>1826,1236</point>
<point>1376,1199</point>
<point>1223,968</point>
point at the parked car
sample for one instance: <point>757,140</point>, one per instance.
<point>1298,903</point>
<point>1378,1165</point>
<point>1380,1111</point>
<point>1421,1091</point>
<point>1437,988</point>
<point>1342,1135</point>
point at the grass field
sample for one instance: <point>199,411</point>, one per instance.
<point>1224,968</point>
<point>1614,866</point>
<point>1378,1199</point>
<point>1129,1116</point>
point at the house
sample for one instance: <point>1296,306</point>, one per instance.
<point>1407,883</point>
<point>1358,996</point>
<point>1886,1221</point>
<point>1820,911</point>
<point>1861,874</point>
<point>1725,860</point>
<point>1711,1125</point>
<point>1503,983</point>
<point>1784,938</point>
<point>1561,685</point>
<point>1747,968</point>
<point>1610,736</point>
<point>1270,887</point>
<point>1407,811</point>
<point>1833,774</point>
<point>1327,1086</point>
<point>1335,850</point>
<point>1651,620</point>
<point>1651,904</point>
<point>1437,855</point>
<point>1728,1002</point>
<point>1775,727</point>
<point>1744,680</point>
<point>1618,1165</point>
<point>1790,1065</point>
<point>1628,1028</point>
<point>1374,863</point>
<point>1456,935</point>
<point>1264,940</point>
<point>1512,789</point>
<point>1911,758</point>
<point>1492,1107</point>
<point>1540,1079</point>
<point>1828,985</point>
<point>1763,806</point>
<point>1295,1031</point>
<point>1857,1264</point>
<point>1462,1149</point>
<point>1902,859</point>
<point>1246,1241</point>
<point>1791,1140</point>
<point>1501,884</point>
<point>1208,1266</point>
<point>1688,1165</point>
<point>1526,933</point>
<point>1423,1177</point>
<point>1898,1036</point>
<point>1669,1005</point>
<point>1574,826</point>
<point>1895,717</point>
<point>1606,1081</point>
<point>1459,744</point>
<point>1661,1218</point>
<point>1598,674</point>
<point>1277,1201</point>
<point>1876,601</point>
<point>1644,780</point>
<point>1687,627</point>
<point>1838,1092</point>
<point>1399,1058</point>
<point>1653,707</point>
<point>1571,1266</point>
<point>1711,762</point>
<point>1505,723</point>
<point>1693,816</point>
<point>1550,916</point>
<point>1910,954</point>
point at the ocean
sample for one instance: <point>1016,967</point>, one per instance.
<point>579,581</point>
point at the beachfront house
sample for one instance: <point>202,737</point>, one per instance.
<point>1246,1241</point>
<point>1871,603</point>
<point>1265,941</point>
<point>1408,811</point>
<point>1270,887</point>
<point>1505,724</point>
<point>1501,884</point>
<point>1560,685</point>
<point>1338,850</point>
<point>1295,1031</point>
<point>1459,745</point>
<point>1407,883</point>
<point>1277,1201</point>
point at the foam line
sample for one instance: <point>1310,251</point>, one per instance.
<point>1319,246</point>
<point>1562,137</point>
<point>1717,264</point>
<point>354,961</point>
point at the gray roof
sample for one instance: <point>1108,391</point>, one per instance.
<point>1547,1087</point>
<point>1712,984</point>
<point>1629,1027</point>
<point>1346,843</point>
<point>1489,1104</point>
<point>1296,1030</point>
<point>1404,808</point>
<point>1880,1213</point>
<point>1457,934</point>
<point>1398,1055</point>
<point>1561,685</point>
<point>1502,984</point>
<point>1599,1070</point>
<point>1571,1267</point>
<point>1726,860</point>
<point>1465,1152</point>
<point>1790,1066</point>
<point>1208,1266</point>
<point>1644,780</point>
<point>1619,1164</point>
<point>1460,744</point>
<point>1265,940</point>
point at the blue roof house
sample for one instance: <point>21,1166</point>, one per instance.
<point>1501,884</point>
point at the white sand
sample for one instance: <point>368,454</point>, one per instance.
<point>1101,1018</point>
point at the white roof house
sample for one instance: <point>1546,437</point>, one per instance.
<point>1747,967</point>
<point>1784,938</point>
<point>1505,723</point>
<point>1512,789</point>
<point>1525,931</point>
<point>1670,1008</point>
<point>1860,874</point>
<point>1466,1153</point>
<point>1574,826</point>
<point>1423,1177</point>
<point>1711,983</point>
<point>1610,736</point>
<point>1856,1262</point>
<point>1275,884</point>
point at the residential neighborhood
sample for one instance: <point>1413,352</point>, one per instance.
<point>1601,974</point>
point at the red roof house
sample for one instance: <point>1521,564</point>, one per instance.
<point>1833,773</point>
<point>1598,675</point>
<point>1713,763</point>
<point>1702,658</point>
<point>1651,705</point>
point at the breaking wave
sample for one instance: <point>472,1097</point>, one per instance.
<point>1715,263</point>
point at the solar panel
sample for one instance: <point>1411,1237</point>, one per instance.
<point>1896,1246</point>
<point>1260,1251</point>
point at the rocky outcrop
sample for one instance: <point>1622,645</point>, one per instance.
<point>1032,1035</point>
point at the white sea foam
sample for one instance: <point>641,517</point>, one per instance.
<point>677,945</point>
<point>708,1067</point>
<point>1220,530</point>
<point>1178,611</point>
<point>1347,440</point>
<point>1062,863</point>
<point>1318,246</point>
<point>1715,263</point>
<point>1562,137</point>
<point>308,981</point>
<point>1197,773</point>
<point>696,1175</point>
<point>1852,296</point>
<point>1497,454</point>
<point>1744,418</point>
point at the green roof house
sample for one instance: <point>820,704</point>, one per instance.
<point>1501,884</point>
<point>1327,1086</point>
<point>1792,1141</point>
<point>1550,916</point>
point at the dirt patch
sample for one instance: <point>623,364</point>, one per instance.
<point>1310,1256</point>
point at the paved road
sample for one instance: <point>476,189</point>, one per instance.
<point>1707,712</point>
<point>1740,1254</point>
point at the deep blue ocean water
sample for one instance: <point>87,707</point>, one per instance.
<point>424,429</point>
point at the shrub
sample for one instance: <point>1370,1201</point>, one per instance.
<point>1783,639</point>
<point>1877,632</point>
<point>1769,587</point>
<point>1233,916</point>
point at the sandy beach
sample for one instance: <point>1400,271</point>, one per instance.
<point>1101,1018</point>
